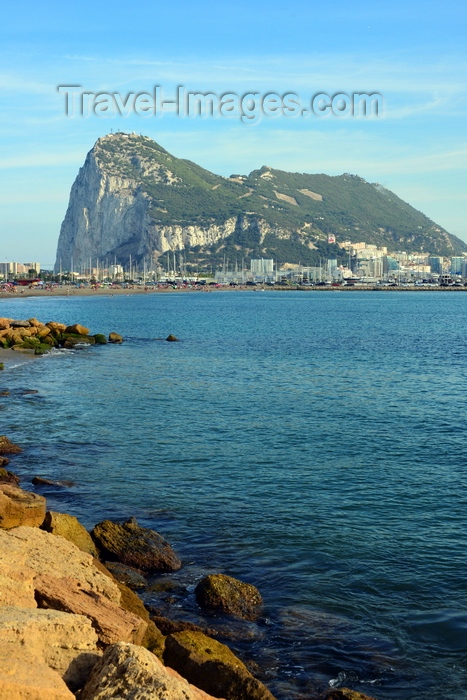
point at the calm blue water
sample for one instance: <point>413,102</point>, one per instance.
<point>311,443</point>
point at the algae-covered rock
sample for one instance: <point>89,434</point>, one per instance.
<point>69,340</point>
<point>2,366</point>
<point>7,447</point>
<point>115,338</point>
<point>346,694</point>
<point>212,666</point>
<point>135,546</point>
<point>71,529</point>
<point>230,596</point>
<point>7,477</point>
<point>42,349</point>
<point>100,339</point>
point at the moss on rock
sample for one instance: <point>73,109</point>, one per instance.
<point>212,666</point>
<point>229,595</point>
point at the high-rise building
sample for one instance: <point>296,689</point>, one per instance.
<point>456,265</point>
<point>436,264</point>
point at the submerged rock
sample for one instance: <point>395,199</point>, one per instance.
<point>71,529</point>
<point>135,546</point>
<point>210,665</point>
<point>172,339</point>
<point>230,596</point>
<point>41,481</point>
<point>346,694</point>
<point>127,575</point>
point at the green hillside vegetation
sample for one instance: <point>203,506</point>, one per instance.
<point>290,226</point>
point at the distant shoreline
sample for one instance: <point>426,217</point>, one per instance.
<point>22,293</point>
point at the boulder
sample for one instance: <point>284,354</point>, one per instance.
<point>153,639</point>
<point>71,529</point>
<point>110,621</point>
<point>346,694</point>
<point>7,447</point>
<point>77,329</point>
<point>35,549</point>
<point>228,595</point>
<point>19,324</point>
<point>18,507</point>
<point>115,338</point>
<point>66,643</point>
<point>172,339</point>
<point>23,676</point>
<point>69,341</point>
<point>210,665</point>
<point>4,323</point>
<point>135,546</point>
<point>100,339</point>
<point>7,477</point>
<point>128,671</point>
<point>35,323</point>
<point>43,332</point>
<point>125,574</point>
<point>54,326</point>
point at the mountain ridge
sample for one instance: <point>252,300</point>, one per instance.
<point>133,198</point>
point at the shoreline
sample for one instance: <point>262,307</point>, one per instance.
<point>176,626</point>
<point>69,292</point>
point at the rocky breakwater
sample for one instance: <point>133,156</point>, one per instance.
<point>33,337</point>
<point>69,627</point>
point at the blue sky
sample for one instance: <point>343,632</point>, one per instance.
<point>413,53</point>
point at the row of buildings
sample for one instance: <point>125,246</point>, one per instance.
<point>13,270</point>
<point>367,263</point>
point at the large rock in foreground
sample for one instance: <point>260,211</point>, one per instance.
<point>25,677</point>
<point>30,552</point>
<point>210,665</point>
<point>71,529</point>
<point>18,507</point>
<point>128,671</point>
<point>110,621</point>
<point>135,546</point>
<point>66,643</point>
<point>228,595</point>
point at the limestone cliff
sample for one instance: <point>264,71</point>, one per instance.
<point>133,199</point>
<point>108,216</point>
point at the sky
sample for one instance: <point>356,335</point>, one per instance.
<point>413,54</point>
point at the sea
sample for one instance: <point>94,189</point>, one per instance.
<point>311,443</point>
